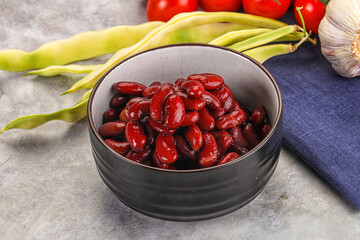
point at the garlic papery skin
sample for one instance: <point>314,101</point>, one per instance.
<point>339,36</point>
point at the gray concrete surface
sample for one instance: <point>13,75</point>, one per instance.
<point>49,186</point>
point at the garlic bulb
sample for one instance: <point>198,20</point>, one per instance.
<point>339,33</point>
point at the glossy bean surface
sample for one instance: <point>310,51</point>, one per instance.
<point>129,88</point>
<point>135,135</point>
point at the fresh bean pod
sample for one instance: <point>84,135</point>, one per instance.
<point>57,70</point>
<point>199,34</point>
<point>180,21</point>
<point>264,38</point>
<point>72,114</point>
<point>237,36</point>
<point>88,45</point>
<point>263,53</point>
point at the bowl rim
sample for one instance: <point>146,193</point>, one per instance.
<point>273,129</point>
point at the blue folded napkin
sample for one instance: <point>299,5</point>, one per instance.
<point>321,116</point>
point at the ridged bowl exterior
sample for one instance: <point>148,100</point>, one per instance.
<point>191,195</point>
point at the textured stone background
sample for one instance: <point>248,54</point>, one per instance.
<point>49,186</point>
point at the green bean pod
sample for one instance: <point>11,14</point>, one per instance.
<point>57,70</point>
<point>79,47</point>
<point>263,53</point>
<point>237,36</point>
<point>200,34</point>
<point>264,38</point>
<point>72,114</point>
<point>154,38</point>
<point>296,37</point>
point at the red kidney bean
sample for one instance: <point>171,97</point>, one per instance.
<point>150,133</point>
<point>119,101</point>
<point>225,122</point>
<point>236,106</point>
<point>110,115</point>
<point>165,149</point>
<point>168,84</point>
<point>258,116</point>
<point>230,101</point>
<point>157,102</point>
<point>140,156</point>
<point>129,88</point>
<point>139,109</point>
<point>211,101</point>
<point>177,88</point>
<point>112,129</point>
<point>250,135</point>
<point>155,83</point>
<point>158,163</point>
<point>217,113</point>
<point>193,88</point>
<point>238,149</point>
<point>208,153</point>
<point>190,119</point>
<point>209,80</point>
<point>219,134</point>
<point>184,147</point>
<point>135,135</point>
<point>179,81</point>
<point>174,111</point>
<point>194,137</point>
<point>182,104</point>
<point>221,93</point>
<point>228,157</point>
<point>191,104</point>
<point>238,137</point>
<point>121,148</point>
<point>124,115</point>
<point>238,115</point>
<point>223,141</point>
<point>206,121</point>
<point>161,128</point>
<point>230,120</point>
<point>150,91</point>
<point>133,101</point>
<point>264,130</point>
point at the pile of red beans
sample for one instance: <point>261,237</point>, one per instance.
<point>194,123</point>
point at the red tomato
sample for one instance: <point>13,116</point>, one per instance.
<point>220,5</point>
<point>313,11</point>
<point>163,10</point>
<point>267,8</point>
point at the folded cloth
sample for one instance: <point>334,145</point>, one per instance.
<point>321,116</point>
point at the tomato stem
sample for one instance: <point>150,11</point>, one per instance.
<point>298,9</point>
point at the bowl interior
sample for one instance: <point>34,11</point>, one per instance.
<point>251,83</point>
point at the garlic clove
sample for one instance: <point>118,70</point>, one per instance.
<point>339,36</point>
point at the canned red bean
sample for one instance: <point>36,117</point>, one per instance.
<point>194,123</point>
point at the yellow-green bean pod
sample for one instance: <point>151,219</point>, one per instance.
<point>79,47</point>
<point>72,114</point>
<point>57,70</point>
<point>237,36</point>
<point>199,34</point>
<point>263,53</point>
<point>264,38</point>
<point>182,20</point>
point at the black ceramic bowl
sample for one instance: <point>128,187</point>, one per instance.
<point>189,195</point>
